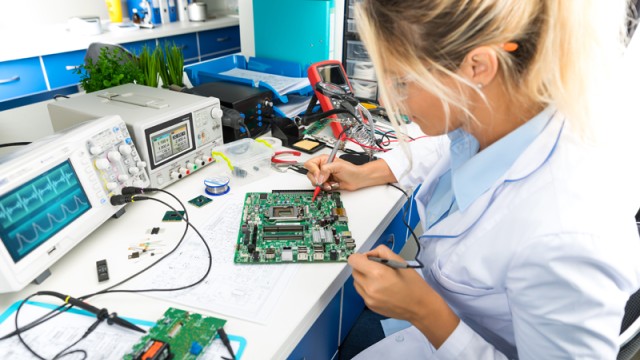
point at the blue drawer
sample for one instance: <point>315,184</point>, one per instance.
<point>21,77</point>
<point>188,43</point>
<point>219,40</point>
<point>136,46</point>
<point>60,68</point>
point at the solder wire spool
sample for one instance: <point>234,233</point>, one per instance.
<point>216,186</point>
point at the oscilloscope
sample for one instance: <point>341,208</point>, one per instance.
<point>174,131</point>
<point>55,191</point>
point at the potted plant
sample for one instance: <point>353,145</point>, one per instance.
<point>112,67</point>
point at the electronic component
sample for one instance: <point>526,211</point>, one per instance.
<point>103,270</point>
<point>186,335</point>
<point>286,226</point>
<point>200,201</point>
<point>173,216</point>
<point>255,106</point>
<point>55,191</point>
<point>175,132</point>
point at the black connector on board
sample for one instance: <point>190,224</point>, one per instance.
<point>103,270</point>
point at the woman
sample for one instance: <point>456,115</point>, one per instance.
<point>529,249</point>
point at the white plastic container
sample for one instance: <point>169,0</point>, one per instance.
<point>244,160</point>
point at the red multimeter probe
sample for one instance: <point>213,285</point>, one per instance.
<point>330,71</point>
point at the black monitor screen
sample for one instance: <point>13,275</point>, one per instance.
<point>37,210</point>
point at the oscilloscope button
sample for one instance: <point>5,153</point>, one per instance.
<point>124,149</point>
<point>103,164</point>
<point>114,156</point>
<point>95,150</point>
<point>141,164</point>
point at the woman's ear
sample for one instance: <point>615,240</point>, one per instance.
<point>480,66</point>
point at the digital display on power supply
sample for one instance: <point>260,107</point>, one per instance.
<point>37,210</point>
<point>170,140</point>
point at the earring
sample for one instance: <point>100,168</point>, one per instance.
<point>480,86</point>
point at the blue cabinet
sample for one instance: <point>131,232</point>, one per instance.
<point>219,42</point>
<point>21,77</point>
<point>321,341</point>
<point>187,42</point>
<point>136,46</point>
<point>39,78</point>
<point>60,68</point>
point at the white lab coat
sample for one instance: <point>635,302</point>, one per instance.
<point>544,261</point>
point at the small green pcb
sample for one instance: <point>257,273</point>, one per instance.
<point>200,201</point>
<point>316,126</point>
<point>185,335</point>
<point>173,216</point>
<point>285,226</point>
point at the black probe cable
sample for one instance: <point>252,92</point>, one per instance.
<point>189,224</point>
<point>65,307</point>
<point>59,354</point>
<point>404,221</point>
<point>57,311</point>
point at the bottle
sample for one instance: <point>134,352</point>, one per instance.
<point>114,7</point>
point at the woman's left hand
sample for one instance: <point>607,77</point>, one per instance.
<point>402,294</point>
<point>387,291</point>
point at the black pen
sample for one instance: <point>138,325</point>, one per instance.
<point>390,263</point>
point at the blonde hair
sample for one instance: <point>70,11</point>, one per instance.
<point>567,49</point>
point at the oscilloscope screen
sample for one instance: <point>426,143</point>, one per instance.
<point>37,210</point>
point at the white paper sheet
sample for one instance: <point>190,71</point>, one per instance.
<point>243,291</point>
<point>279,83</point>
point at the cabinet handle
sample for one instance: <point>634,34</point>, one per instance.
<point>11,79</point>
<point>222,39</point>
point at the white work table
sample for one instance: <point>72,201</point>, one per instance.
<point>311,289</point>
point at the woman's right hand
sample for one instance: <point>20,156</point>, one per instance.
<point>341,174</point>
<point>344,175</point>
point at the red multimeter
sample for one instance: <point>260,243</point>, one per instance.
<point>330,71</point>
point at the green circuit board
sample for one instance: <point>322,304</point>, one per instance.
<point>285,226</point>
<point>177,331</point>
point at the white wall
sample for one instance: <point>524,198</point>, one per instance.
<point>16,14</point>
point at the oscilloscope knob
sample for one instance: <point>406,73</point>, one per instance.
<point>95,150</point>
<point>133,170</point>
<point>216,113</point>
<point>114,156</point>
<point>103,164</point>
<point>123,177</point>
<point>175,175</point>
<point>125,149</point>
<point>141,164</point>
<point>112,185</point>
